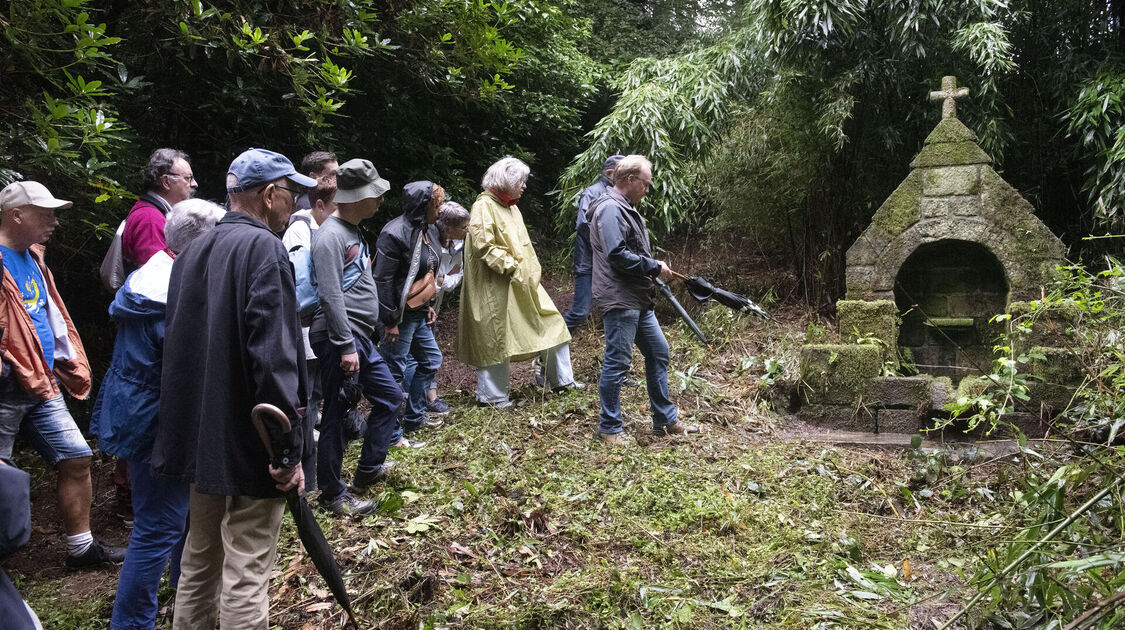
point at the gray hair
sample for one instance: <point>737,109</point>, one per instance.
<point>188,220</point>
<point>506,175</point>
<point>160,164</point>
<point>452,214</point>
<point>631,166</point>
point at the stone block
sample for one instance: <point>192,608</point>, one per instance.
<point>837,374</point>
<point>941,392</point>
<point>860,281</point>
<point>950,154</point>
<point>935,207</point>
<point>897,421</point>
<point>840,417</point>
<point>870,318</point>
<point>900,392</point>
<point>902,208</point>
<point>951,180</point>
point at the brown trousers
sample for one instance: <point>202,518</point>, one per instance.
<point>229,555</point>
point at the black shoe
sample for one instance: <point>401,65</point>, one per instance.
<point>437,407</point>
<point>350,505</point>
<point>432,423</point>
<point>97,555</point>
<point>363,481</point>
<point>629,381</point>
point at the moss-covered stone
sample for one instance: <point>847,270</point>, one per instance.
<point>900,392</point>
<point>950,180</point>
<point>973,386</point>
<point>906,421</point>
<point>836,374</point>
<point>941,392</point>
<point>842,417</point>
<point>902,207</point>
<point>950,154</point>
<point>874,318</point>
<point>951,130</point>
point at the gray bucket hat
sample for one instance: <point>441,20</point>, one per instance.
<point>357,180</point>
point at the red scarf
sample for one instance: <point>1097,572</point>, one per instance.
<point>508,201</point>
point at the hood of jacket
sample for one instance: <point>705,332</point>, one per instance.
<point>415,200</point>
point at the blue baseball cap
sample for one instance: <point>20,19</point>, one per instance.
<point>257,167</point>
<point>611,161</point>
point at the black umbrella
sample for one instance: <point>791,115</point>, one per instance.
<point>702,290</point>
<point>680,309</point>
<point>307,528</point>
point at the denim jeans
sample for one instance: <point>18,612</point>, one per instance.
<point>623,328</point>
<point>160,512</point>
<point>415,341</point>
<point>46,424</point>
<point>579,309</point>
<point>380,389</point>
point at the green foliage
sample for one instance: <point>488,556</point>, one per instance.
<point>1097,119</point>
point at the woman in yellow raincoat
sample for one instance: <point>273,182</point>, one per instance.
<point>506,315</point>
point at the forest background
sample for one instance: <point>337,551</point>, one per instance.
<point>782,121</point>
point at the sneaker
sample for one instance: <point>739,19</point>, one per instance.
<point>614,439</point>
<point>97,555</point>
<point>437,407</point>
<point>363,481</point>
<point>495,405</point>
<point>408,443</point>
<point>629,381</point>
<point>432,423</point>
<point>573,386</point>
<point>678,428</point>
<point>349,505</point>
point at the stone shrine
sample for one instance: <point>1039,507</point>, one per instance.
<point>951,247</point>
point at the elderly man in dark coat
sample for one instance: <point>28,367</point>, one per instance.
<point>232,340</point>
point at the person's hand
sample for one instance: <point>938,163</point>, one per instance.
<point>665,272</point>
<point>289,478</point>
<point>349,363</point>
<point>439,280</point>
<point>431,316</point>
<point>391,335</point>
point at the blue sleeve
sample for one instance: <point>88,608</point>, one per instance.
<point>617,251</point>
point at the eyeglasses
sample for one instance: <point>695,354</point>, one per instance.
<point>190,177</point>
<point>294,191</point>
<point>647,182</point>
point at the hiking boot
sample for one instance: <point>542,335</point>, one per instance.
<point>408,443</point>
<point>349,505</point>
<point>97,555</point>
<point>678,428</point>
<point>614,439</point>
<point>363,481</point>
<point>437,407</point>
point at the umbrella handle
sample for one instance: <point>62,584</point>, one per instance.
<point>259,415</point>
<point>677,274</point>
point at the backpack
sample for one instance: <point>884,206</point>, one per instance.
<point>308,298</point>
<point>112,270</point>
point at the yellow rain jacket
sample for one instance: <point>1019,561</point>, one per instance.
<point>505,313</point>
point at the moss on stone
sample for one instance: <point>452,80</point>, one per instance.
<point>867,319</point>
<point>837,374</point>
<point>902,208</point>
<point>841,417</point>
<point>951,130</point>
<point>900,392</point>
<point>950,180</point>
<point>950,154</point>
<point>973,386</point>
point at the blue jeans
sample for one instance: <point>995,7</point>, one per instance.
<point>415,341</point>
<point>579,309</point>
<point>623,328</point>
<point>46,424</point>
<point>379,388</point>
<point>160,511</point>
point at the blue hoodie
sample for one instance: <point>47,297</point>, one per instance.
<point>125,412</point>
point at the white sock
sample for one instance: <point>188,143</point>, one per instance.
<point>78,544</point>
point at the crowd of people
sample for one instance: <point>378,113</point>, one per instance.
<point>277,297</point>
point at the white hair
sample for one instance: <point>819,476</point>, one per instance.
<point>188,220</point>
<point>506,175</point>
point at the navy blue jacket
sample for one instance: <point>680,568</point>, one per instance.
<point>624,269</point>
<point>395,250</point>
<point>15,529</point>
<point>583,261</point>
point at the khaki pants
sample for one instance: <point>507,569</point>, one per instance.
<point>229,555</point>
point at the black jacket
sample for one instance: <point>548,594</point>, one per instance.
<point>395,249</point>
<point>624,270</point>
<point>232,340</point>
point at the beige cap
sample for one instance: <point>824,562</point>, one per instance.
<point>30,193</point>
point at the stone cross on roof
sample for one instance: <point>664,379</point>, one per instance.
<point>949,95</point>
